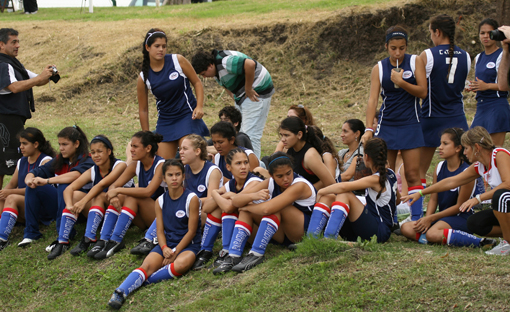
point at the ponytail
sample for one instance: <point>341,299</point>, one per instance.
<point>377,150</point>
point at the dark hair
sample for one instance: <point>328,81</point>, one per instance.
<point>234,151</point>
<point>295,124</point>
<point>198,142</point>
<point>225,129</point>
<point>33,135</point>
<point>455,135</point>
<point>5,33</point>
<point>327,144</point>
<point>304,114</point>
<point>279,159</point>
<point>446,25</point>
<point>377,150</point>
<point>396,28</point>
<point>489,21</point>
<point>100,138</point>
<point>172,162</point>
<point>201,61</point>
<point>73,134</point>
<point>149,39</point>
<point>149,138</point>
<point>233,114</point>
<point>356,125</point>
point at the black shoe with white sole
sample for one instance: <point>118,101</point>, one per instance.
<point>143,248</point>
<point>109,250</point>
<point>248,263</point>
<point>58,250</point>
<point>98,247</point>
<point>203,257</point>
<point>82,246</point>
<point>227,265</point>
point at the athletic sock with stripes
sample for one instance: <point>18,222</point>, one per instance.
<point>459,238</point>
<point>66,226</point>
<point>110,219</point>
<point>211,229</point>
<point>417,206</point>
<point>242,232</point>
<point>228,222</point>
<point>318,220</point>
<point>94,218</point>
<point>166,272</point>
<point>134,280</point>
<point>7,222</point>
<point>152,232</point>
<point>424,183</point>
<point>126,217</point>
<point>339,212</point>
<point>267,228</point>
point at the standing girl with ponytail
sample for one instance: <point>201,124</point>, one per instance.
<point>168,77</point>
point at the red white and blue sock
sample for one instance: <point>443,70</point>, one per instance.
<point>7,222</point>
<point>110,219</point>
<point>318,220</point>
<point>228,221</point>
<point>417,207</point>
<point>94,218</point>
<point>339,212</point>
<point>66,226</point>
<point>152,232</point>
<point>134,280</point>
<point>126,217</point>
<point>459,238</point>
<point>211,229</point>
<point>267,228</point>
<point>166,272</point>
<point>242,232</point>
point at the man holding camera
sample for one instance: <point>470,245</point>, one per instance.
<point>16,99</point>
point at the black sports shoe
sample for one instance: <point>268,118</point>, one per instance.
<point>227,265</point>
<point>82,246</point>
<point>3,244</point>
<point>143,248</point>
<point>51,246</point>
<point>98,246</point>
<point>221,257</point>
<point>117,299</point>
<point>488,242</point>
<point>58,250</point>
<point>109,250</point>
<point>203,257</point>
<point>248,263</point>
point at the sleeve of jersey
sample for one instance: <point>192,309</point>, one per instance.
<point>477,169</point>
<point>44,171</point>
<point>31,74</point>
<point>5,77</point>
<point>188,201</point>
<point>84,165</point>
<point>234,64</point>
<point>161,200</point>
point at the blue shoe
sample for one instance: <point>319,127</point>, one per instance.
<point>423,239</point>
<point>117,299</point>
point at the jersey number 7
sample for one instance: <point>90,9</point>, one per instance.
<point>451,76</point>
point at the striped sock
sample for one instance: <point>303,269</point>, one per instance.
<point>424,183</point>
<point>339,212</point>
<point>66,226</point>
<point>166,272</point>
<point>110,219</point>
<point>134,280</point>
<point>211,229</point>
<point>228,221</point>
<point>417,207</point>
<point>126,217</point>
<point>267,228</point>
<point>152,232</point>
<point>318,220</point>
<point>94,218</point>
<point>459,238</point>
<point>7,222</point>
<point>242,232</point>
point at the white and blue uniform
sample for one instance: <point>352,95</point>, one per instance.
<point>231,185</point>
<point>492,109</point>
<point>222,164</point>
<point>96,177</point>
<point>399,122</point>
<point>198,183</point>
<point>145,177</point>
<point>444,106</point>
<point>24,167</point>
<point>175,101</point>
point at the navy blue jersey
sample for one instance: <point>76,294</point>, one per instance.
<point>95,174</point>
<point>24,168</point>
<point>398,105</point>
<point>304,205</point>
<point>384,208</point>
<point>222,163</point>
<point>198,183</point>
<point>448,198</point>
<point>145,177</point>
<point>176,217</point>
<point>486,69</point>
<point>444,95</point>
<point>298,164</point>
<point>231,185</point>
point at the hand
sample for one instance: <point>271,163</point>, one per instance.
<point>506,31</point>
<point>467,205</point>
<point>77,207</point>
<point>478,85</point>
<point>366,136</point>
<point>38,181</point>
<point>422,225</point>
<point>47,72</point>
<point>111,194</point>
<point>412,198</point>
<point>115,202</point>
<point>30,183</point>
<point>4,193</point>
<point>260,195</point>
<point>252,95</point>
<point>198,113</point>
<point>397,77</point>
<point>168,252</point>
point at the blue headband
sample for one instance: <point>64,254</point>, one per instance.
<point>394,34</point>
<point>280,157</point>
<point>104,140</point>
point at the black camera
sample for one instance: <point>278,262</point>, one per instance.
<point>497,35</point>
<point>55,77</point>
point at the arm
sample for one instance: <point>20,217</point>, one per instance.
<point>247,196</point>
<point>168,253</point>
<point>504,66</point>
<point>225,204</point>
<point>192,225</point>
<point>330,163</point>
<point>209,204</point>
<point>313,162</point>
<point>143,103</point>
<point>249,77</point>
<point>375,87</point>
<point>371,181</point>
<point>12,187</point>
<point>188,70</point>
<point>139,192</point>
<point>254,161</point>
<point>76,185</point>
<point>292,193</point>
<point>65,178</point>
<point>214,182</point>
<point>39,80</point>
<point>420,88</point>
<point>349,173</point>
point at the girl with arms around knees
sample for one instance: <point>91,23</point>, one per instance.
<point>401,80</point>
<point>493,164</point>
<point>36,152</point>
<point>449,225</point>
<point>221,214</point>
<point>44,202</point>
<point>132,204</point>
<point>352,130</point>
<point>284,216</point>
<point>105,171</point>
<point>168,77</point>
<point>348,216</point>
<point>492,109</point>
<point>178,227</point>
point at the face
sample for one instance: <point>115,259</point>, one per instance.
<point>222,144</point>
<point>240,166</point>
<point>100,153</point>
<point>187,152</point>
<point>347,135</point>
<point>289,139</point>
<point>396,49</point>
<point>470,153</point>
<point>209,72</point>
<point>485,37</point>
<point>173,177</point>
<point>283,176</point>
<point>27,148</point>
<point>67,147</point>
<point>138,151</point>
<point>11,47</point>
<point>292,113</point>
<point>447,148</point>
<point>157,50</point>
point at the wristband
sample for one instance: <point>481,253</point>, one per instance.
<point>48,181</point>
<point>163,248</point>
<point>369,129</point>
<point>478,198</point>
<point>421,194</point>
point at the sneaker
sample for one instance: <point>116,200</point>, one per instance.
<point>98,246</point>
<point>248,263</point>
<point>502,249</point>
<point>487,242</point>
<point>117,299</point>
<point>58,250</point>
<point>143,248</point>
<point>227,265</point>
<point>221,257</point>
<point>203,257</point>
<point>51,246</point>
<point>82,246</point>
<point>3,244</point>
<point>292,247</point>
<point>25,242</point>
<point>109,250</point>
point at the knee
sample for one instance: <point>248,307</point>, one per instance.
<point>408,231</point>
<point>183,264</point>
<point>434,235</point>
<point>327,199</point>
<point>345,197</point>
<point>412,176</point>
<point>10,202</point>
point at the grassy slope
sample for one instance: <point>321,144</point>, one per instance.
<point>321,275</point>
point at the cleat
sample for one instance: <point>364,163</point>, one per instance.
<point>51,246</point>
<point>58,250</point>
<point>109,250</point>
<point>82,246</point>
<point>25,242</point>
<point>3,244</point>
<point>227,265</point>
<point>98,246</point>
<point>487,242</point>
<point>143,248</point>
<point>248,263</point>
<point>293,247</point>
<point>502,249</point>
<point>203,257</point>
<point>117,299</point>
<point>221,257</point>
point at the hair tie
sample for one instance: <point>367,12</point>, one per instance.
<point>104,140</point>
<point>300,106</point>
<point>396,34</point>
<point>150,35</point>
<point>279,157</point>
<point>75,127</point>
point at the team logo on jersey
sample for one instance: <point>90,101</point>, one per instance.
<point>201,188</point>
<point>407,74</point>
<point>491,65</point>
<point>173,76</point>
<point>180,213</point>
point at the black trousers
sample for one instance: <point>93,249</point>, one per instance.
<point>30,5</point>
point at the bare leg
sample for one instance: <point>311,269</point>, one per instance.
<point>498,138</point>
<point>435,233</point>
<point>411,159</point>
<point>168,150</point>
<point>392,157</point>
<point>426,155</point>
<point>504,222</point>
<point>16,202</point>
